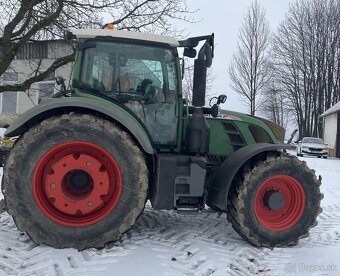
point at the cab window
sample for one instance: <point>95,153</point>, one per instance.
<point>141,77</point>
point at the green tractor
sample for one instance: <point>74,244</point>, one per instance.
<point>87,159</point>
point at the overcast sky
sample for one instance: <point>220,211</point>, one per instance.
<point>224,18</point>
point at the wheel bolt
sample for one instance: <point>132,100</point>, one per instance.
<point>52,186</point>
<point>88,164</point>
<point>90,203</point>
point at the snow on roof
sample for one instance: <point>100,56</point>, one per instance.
<point>335,108</point>
<point>91,33</point>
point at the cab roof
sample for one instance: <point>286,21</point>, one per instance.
<point>92,33</point>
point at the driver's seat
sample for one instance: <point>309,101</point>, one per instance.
<point>125,83</point>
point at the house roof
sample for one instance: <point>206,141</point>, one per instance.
<point>91,33</point>
<point>334,109</point>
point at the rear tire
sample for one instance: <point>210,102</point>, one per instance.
<point>249,210</point>
<point>75,181</point>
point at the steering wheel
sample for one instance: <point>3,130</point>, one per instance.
<point>149,91</point>
<point>145,91</point>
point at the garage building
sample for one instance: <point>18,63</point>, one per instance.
<point>332,129</point>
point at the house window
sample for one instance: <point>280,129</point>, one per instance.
<point>10,76</point>
<point>33,50</point>
<point>9,102</point>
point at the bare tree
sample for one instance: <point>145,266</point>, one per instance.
<point>306,60</point>
<point>275,105</point>
<point>249,68</point>
<point>25,20</point>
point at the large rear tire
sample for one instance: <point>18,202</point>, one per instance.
<point>75,181</point>
<point>275,202</point>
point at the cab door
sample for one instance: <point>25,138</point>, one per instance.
<point>158,112</point>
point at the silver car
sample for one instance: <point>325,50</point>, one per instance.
<point>312,146</point>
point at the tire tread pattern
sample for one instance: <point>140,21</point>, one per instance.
<point>14,160</point>
<point>236,199</point>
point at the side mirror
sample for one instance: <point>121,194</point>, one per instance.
<point>190,52</point>
<point>221,99</point>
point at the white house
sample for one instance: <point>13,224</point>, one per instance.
<point>332,129</point>
<point>35,54</point>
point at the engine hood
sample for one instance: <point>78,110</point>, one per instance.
<point>277,130</point>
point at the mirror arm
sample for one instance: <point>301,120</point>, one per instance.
<point>183,67</point>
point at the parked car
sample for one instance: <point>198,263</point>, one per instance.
<point>312,146</point>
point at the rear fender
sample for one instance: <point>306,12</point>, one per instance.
<point>90,106</point>
<point>222,181</point>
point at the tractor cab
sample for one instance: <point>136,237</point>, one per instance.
<point>138,71</point>
<point>142,72</point>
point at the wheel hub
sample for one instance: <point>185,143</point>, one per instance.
<point>279,203</point>
<point>76,183</point>
<point>274,200</point>
<point>80,180</point>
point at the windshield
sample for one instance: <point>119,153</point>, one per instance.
<point>312,140</point>
<point>130,72</point>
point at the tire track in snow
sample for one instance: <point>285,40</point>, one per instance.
<point>327,232</point>
<point>179,242</point>
<point>200,244</point>
<point>195,249</point>
<point>186,244</point>
<point>18,254</point>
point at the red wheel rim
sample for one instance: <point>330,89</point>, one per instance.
<point>293,206</point>
<point>76,183</point>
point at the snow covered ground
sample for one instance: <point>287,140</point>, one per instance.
<point>167,243</point>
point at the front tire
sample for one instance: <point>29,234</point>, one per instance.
<point>275,202</point>
<point>75,181</point>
